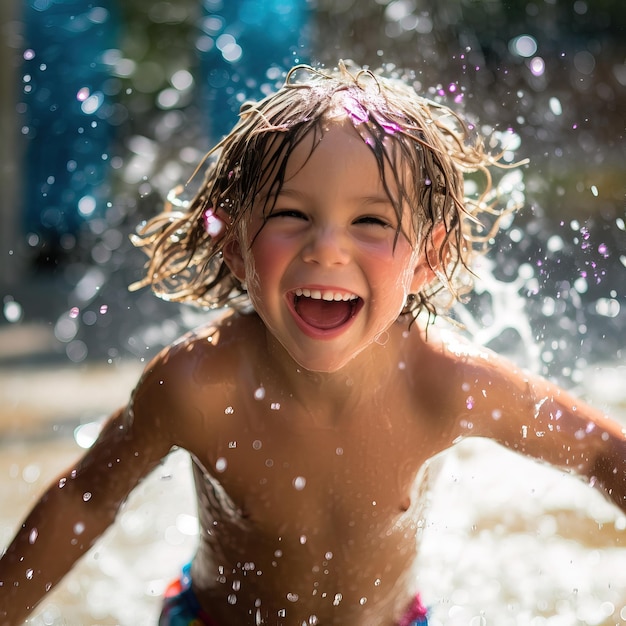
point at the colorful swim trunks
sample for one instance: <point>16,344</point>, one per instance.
<point>181,607</point>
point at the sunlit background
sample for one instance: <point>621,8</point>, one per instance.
<point>106,106</point>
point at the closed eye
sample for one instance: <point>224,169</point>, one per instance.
<point>373,221</point>
<point>293,213</point>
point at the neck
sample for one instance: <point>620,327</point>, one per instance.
<point>355,383</point>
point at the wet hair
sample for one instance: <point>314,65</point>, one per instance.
<point>423,150</point>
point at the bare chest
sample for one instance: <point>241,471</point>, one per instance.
<point>289,467</point>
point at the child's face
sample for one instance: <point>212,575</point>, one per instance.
<point>323,272</point>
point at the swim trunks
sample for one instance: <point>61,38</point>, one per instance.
<point>181,607</point>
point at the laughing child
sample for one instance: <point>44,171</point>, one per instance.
<point>331,217</point>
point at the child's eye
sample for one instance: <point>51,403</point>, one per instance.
<point>373,221</point>
<point>293,213</point>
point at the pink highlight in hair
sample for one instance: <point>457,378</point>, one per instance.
<point>213,224</point>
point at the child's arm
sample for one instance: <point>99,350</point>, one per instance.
<point>537,418</point>
<point>75,510</point>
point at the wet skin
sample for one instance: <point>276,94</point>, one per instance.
<point>310,445</point>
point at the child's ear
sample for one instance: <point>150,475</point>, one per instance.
<point>429,262</point>
<point>233,257</point>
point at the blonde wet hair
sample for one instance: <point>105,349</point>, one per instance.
<point>425,147</point>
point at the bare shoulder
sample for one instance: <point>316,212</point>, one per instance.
<point>463,383</point>
<point>185,387</point>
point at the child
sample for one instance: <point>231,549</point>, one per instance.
<point>335,208</point>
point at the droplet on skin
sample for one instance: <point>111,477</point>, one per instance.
<point>32,537</point>
<point>299,482</point>
<point>259,393</point>
<point>29,574</point>
<point>363,600</point>
<point>87,496</point>
<point>79,528</point>
<point>292,597</point>
<point>220,464</point>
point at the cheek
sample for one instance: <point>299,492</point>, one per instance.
<point>394,269</point>
<point>264,262</point>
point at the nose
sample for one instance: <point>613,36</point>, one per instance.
<point>328,246</point>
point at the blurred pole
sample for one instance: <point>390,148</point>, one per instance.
<point>9,145</point>
<point>65,105</point>
<point>245,47</point>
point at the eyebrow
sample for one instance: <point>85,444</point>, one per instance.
<point>381,198</point>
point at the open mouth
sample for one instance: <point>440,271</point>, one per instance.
<point>325,310</point>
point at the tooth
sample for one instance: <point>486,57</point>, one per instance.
<point>306,293</point>
<point>338,297</point>
<point>328,295</point>
<point>316,294</point>
<point>298,292</point>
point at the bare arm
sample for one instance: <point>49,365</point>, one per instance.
<point>539,419</point>
<point>74,511</point>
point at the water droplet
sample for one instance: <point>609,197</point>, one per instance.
<point>363,600</point>
<point>229,410</point>
<point>338,599</point>
<point>259,393</point>
<point>292,597</point>
<point>220,464</point>
<point>299,482</point>
<point>79,528</point>
<point>469,402</point>
<point>232,599</point>
<point>32,537</point>
<point>87,496</point>
<point>275,406</point>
